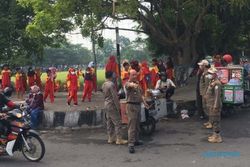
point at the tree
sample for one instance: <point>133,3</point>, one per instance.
<point>66,54</point>
<point>173,26</point>
<point>16,47</point>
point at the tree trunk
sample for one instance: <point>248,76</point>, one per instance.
<point>185,52</point>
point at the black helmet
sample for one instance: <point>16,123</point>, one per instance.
<point>163,76</point>
<point>7,92</point>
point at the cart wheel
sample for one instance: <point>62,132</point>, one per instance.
<point>148,127</point>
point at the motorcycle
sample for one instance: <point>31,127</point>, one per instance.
<point>18,136</point>
<point>158,109</point>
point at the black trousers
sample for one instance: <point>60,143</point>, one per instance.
<point>169,92</point>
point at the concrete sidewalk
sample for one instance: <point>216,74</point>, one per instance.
<point>59,114</point>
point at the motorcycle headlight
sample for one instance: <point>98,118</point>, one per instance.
<point>18,115</point>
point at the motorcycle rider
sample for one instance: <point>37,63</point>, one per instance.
<point>4,101</point>
<point>165,85</point>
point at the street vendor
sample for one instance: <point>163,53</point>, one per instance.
<point>227,59</point>
<point>165,85</point>
<point>214,104</point>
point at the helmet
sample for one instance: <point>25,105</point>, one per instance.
<point>163,76</point>
<point>7,92</point>
<point>228,58</point>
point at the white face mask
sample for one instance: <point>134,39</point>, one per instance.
<point>72,73</point>
<point>209,76</point>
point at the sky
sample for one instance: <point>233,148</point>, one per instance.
<point>76,38</point>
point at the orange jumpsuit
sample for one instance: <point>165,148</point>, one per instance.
<point>19,82</point>
<point>24,78</point>
<point>38,79</point>
<point>170,73</point>
<point>88,86</point>
<point>73,87</point>
<point>6,78</point>
<point>124,76</point>
<point>154,76</point>
<point>113,67</point>
<point>49,89</point>
<point>145,76</point>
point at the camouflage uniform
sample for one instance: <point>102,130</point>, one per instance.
<point>204,83</point>
<point>214,104</point>
<point>112,108</point>
<point>134,100</point>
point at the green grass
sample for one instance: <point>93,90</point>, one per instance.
<point>61,76</point>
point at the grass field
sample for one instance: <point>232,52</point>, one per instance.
<point>61,76</point>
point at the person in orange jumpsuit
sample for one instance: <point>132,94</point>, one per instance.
<point>79,74</point>
<point>114,68</point>
<point>24,79</point>
<point>19,84</point>
<point>31,77</point>
<point>53,75</point>
<point>72,78</point>
<point>170,69</point>
<point>134,64</point>
<point>125,73</point>
<point>38,77</point>
<point>49,87</point>
<point>88,85</point>
<point>154,73</point>
<point>6,74</point>
<point>145,76</point>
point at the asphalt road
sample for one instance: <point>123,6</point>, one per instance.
<point>176,143</point>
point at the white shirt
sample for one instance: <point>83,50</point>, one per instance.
<point>160,84</point>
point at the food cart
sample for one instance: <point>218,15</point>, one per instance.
<point>232,79</point>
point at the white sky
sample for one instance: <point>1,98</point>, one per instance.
<point>78,39</point>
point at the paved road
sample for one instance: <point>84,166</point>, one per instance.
<point>176,143</point>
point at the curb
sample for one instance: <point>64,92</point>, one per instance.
<point>71,119</point>
<point>92,118</point>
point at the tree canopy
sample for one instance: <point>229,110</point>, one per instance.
<point>184,29</point>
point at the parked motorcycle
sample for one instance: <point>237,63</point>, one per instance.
<point>18,136</point>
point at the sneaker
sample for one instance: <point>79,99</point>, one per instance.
<point>75,104</point>
<point>209,126</point>
<point>215,139</point>
<point>68,103</point>
<point>111,140</point>
<point>212,136</point>
<point>131,149</point>
<point>206,123</point>
<point>121,142</point>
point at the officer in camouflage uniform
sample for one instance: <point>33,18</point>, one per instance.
<point>112,108</point>
<point>201,87</point>
<point>204,82</point>
<point>214,104</point>
<point>134,100</point>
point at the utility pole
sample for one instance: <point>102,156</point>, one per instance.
<point>93,50</point>
<point>117,39</point>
